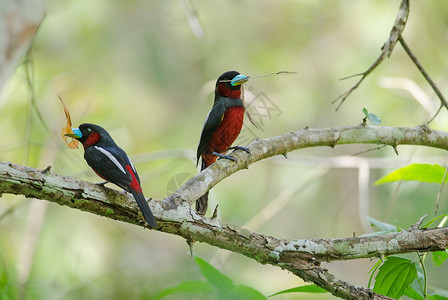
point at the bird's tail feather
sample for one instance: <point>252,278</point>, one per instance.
<point>144,208</point>
<point>202,202</point>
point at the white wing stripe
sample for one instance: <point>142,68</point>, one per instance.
<point>132,165</point>
<point>111,157</point>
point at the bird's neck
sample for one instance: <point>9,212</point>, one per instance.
<point>224,91</point>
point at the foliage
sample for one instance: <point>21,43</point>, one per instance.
<point>311,288</point>
<point>417,172</point>
<point>217,285</point>
<point>136,68</point>
<point>374,119</point>
<point>397,276</point>
<point>394,276</point>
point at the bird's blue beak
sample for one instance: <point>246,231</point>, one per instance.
<point>239,80</point>
<point>76,133</point>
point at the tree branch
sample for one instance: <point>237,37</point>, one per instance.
<point>305,138</point>
<point>302,257</point>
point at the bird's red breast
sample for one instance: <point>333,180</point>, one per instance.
<point>225,134</point>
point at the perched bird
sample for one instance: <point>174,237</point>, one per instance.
<point>222,125</point>
<point>111,163</point>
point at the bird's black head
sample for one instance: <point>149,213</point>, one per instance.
<point>226,78</point>
<point>229,84</point>
<point>89,134</point>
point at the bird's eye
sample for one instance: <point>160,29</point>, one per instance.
<point>88,130</point>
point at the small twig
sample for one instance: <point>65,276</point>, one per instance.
<point>416,226</point>
<point>368,150</point>
<point>440,189</point>
<point>425,276</point>
<point>193,19</point>
<point>12,208</point>
<point>275,73</point>
<point>435,115</point>
<point>422,70</point>
<point>386,50</point>
<point>215,212</point>
<point>29,68</point>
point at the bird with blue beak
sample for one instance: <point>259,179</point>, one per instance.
<point>111,163</point>
<point>222,125</point>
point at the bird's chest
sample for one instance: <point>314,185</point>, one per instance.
<point>228,130</point>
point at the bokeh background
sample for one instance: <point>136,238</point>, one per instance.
<point>145,70</point>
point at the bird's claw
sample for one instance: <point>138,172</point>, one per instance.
<point>240,148</point>
<point>224,156</point>
<point>102,184</point>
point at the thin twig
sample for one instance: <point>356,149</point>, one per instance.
<point>425,276</point>
<point>422,70</point>
<point>368,150</point>
<point>193,19</point>
<point>12,208</point>
<point>440,189</point>
<point>30,82</point>
<point>386,50</point>
<point>419,222</point>
<point>435,115</point>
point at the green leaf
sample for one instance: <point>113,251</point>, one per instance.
<point>312,288</point>
<point>430,222</point>
<point>214,276</point>
<point>413,294</point>
<point>375,233</point>
<point>244,292</point>
<point>373,270</point>
<point>437,297</point>
<point>417,172</point>
<point>440,292</point>
<point>439,257</point>
<point>382,225</point>
<point>366,113</point>
<point>395,276</point>
<point>374,119</point>
<point>188,287</point>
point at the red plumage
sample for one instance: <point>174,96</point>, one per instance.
<point>221,127</point>
<point>226,133</point>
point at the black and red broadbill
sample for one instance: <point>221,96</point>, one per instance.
<point>111,163</point>
<point>222,125</point>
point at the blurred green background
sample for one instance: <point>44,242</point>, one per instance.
<point>142,70</point>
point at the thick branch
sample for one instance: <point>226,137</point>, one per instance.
<point>306,138</point>
<point>302,257</point>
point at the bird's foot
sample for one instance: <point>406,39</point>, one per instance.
<point>224,156</point>
<point>102,184</point>
<point>239,148</point>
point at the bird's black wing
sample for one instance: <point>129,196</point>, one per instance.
<point>211,123</point>
<point>213,120</point>
<point>110,163</point>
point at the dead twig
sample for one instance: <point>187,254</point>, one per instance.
<point>440,189</point>
<point>424,73</point>
<point>386,50</point>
